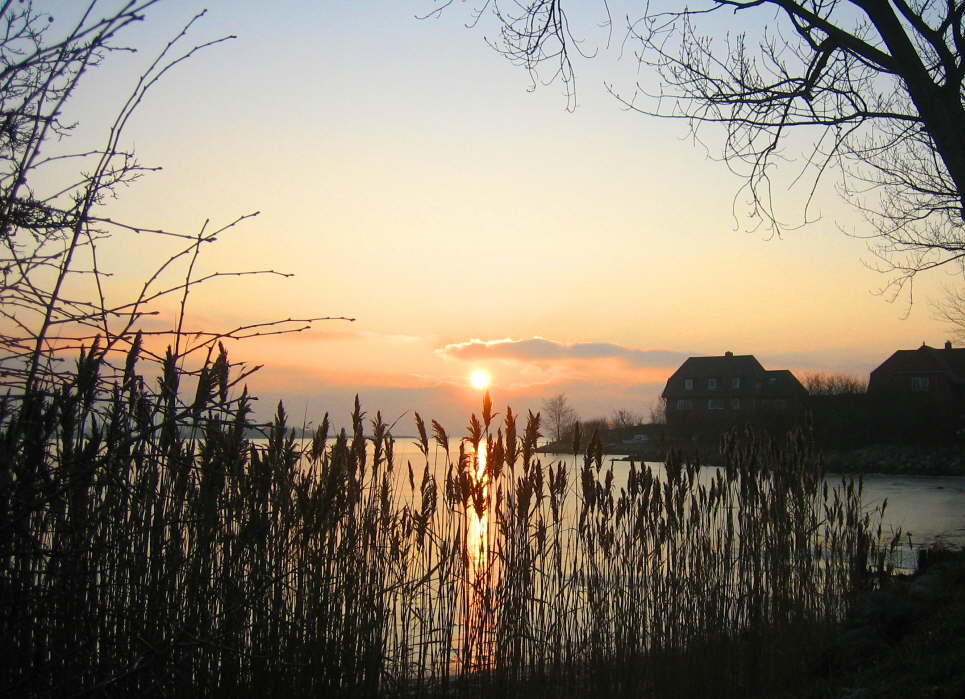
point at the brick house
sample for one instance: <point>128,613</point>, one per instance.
<point>729,390</point>
<point>922,385</point>
<point>937,373</point>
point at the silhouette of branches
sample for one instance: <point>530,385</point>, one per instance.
<point>875,88</point>
<point>951,310</point>
<point>54,292</point>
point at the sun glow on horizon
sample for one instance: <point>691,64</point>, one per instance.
<point>480,379</point>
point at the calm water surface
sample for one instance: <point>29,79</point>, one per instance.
<point>929,509</point>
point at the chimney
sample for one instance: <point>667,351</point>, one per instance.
<point>728,353</point>
<point>948,344</point>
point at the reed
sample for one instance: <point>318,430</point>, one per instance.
<point>149,548</point>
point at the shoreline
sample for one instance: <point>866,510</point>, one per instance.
<point>898,459</point>
<point>889,459</point>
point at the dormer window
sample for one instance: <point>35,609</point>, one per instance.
<point>711,384</point>
<point>688,384</point>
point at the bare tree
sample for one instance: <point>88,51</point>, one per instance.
<point>625,418</point>
<point>55,296</point>
<point>951,310</point>
<point>601,424</point>
<point>559,415</point>
<point>658,411</point>
<point>821,384</point>
<point>875,87</point>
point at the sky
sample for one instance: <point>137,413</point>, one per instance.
<point>408,176</point>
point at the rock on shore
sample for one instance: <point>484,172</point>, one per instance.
<point>899,459</point>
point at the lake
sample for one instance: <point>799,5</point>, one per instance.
<point>928,509</point>
<point>530,568</point>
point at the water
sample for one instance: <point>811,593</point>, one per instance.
<point>928,509</point>
<point>455,618</point>
<point>931,509</point>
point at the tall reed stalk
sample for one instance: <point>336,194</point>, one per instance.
<point>148,547</point>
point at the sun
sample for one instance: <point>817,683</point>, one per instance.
<point>480,378</point>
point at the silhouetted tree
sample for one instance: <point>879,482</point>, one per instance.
<point>951,310</point>
<point>600,425</point>
<point>876,86</point>
<point>625,418</point>
<point>55,296</point>
<point>658,412</point>
<point>821,384</point>
<point>559,415</point>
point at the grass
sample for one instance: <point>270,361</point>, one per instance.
<point>148,548</point>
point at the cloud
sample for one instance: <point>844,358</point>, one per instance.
<point>539,349</point>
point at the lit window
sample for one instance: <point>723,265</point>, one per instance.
<point>688,384</point>
<point>919,384</point>
<point>735,382</point>
<point>735,403</point>
<point>684,404</point>
<point>715,404</point>
<point>711,384</point>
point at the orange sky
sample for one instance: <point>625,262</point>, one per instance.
<point>407,178</point>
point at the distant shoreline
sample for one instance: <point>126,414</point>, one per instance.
<point>893,459</point>
<point>899,459</point>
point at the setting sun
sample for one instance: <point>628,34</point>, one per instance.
<point>480,379</point>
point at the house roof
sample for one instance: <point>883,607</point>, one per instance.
<point>781,382</point>
<point>925,360</point>
<point>759,381</point>
<point>726,365</point>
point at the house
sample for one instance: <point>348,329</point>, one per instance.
<point>925,385</point>
<point>926,371</point>
<point>730,390</point>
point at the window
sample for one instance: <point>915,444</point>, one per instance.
<point>715,404</point>
<point>919,384</point>
<point>735,382</point>
<point>684,404</point>
<point>735,403</point>
<point>688,384</point>
<point>711,384</point>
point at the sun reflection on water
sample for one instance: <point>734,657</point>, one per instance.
<point>478,539</point>
<point>481,574</point>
